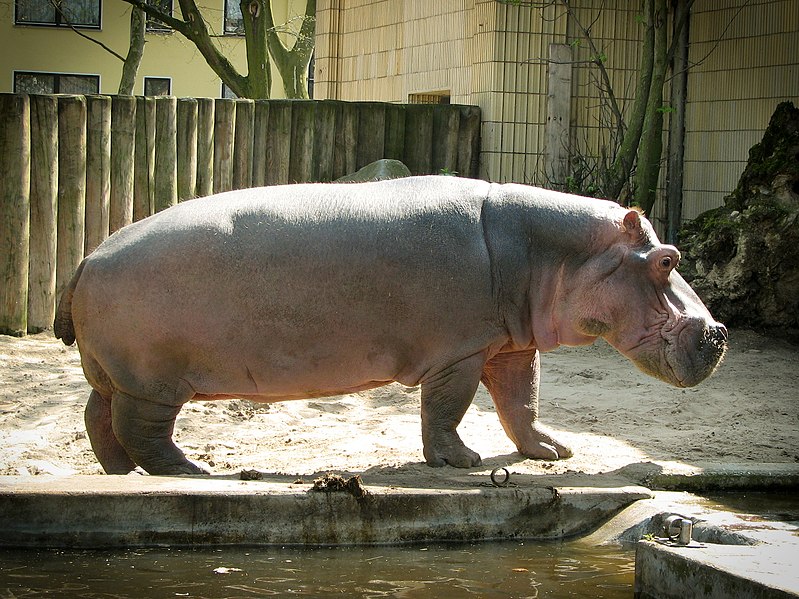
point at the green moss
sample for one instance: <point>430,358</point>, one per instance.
<point>775,154</point>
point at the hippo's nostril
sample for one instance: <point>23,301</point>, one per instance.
<point>717,334</point>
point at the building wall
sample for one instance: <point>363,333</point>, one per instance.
<point>747,62</point>
<point>61,50</point>
<point>385,50</point>
<point>494,54</point>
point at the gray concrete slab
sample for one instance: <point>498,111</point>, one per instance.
<point>98,511</point>
<point>716,571</point>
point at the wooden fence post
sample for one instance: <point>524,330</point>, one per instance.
<point>559,88</point>
<point>395,132</point>
<point>446,122</point>
<point>345,159</point>
<point>278,142</point>
<point>260,134</point>
<point>14,212</point>
<point>187,148</point>
<point>324,140</point>
<point>469,142</point>
<point>371,133</point>
<point>44,208</point>
<point>123,155</point>
<point>302,141</point>
<point>144,168</point>
<point>205,146</point>
<point>224,135</point>
<point>419,138</point>
<point>242,144</point>
<point>166,163</point>
<point>71,187</point>
<point>98,170</point>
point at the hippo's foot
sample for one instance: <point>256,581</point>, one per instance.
<point>144,429</point>
<point>539,444</point>
<point>449,449</point>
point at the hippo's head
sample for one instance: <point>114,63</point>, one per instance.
<point>632,296</point>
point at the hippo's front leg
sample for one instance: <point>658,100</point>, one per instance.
<point>512,379</point>
<point>445,399</point>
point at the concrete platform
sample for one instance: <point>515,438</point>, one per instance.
<point>101,511</point>
<point>740,556</point>
<point>716,571</point>
<point>732,554</point>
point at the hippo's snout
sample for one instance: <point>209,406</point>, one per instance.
<point>699,352</point>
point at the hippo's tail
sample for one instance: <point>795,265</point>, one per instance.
<point>63,326</point>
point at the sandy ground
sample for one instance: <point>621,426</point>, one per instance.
<point>609,412</point>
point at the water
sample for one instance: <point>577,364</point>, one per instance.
<point>518,570</point>
<point>768,506</point>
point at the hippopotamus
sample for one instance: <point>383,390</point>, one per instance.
<point>314,290</point>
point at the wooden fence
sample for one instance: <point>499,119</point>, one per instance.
<point>74,169</point>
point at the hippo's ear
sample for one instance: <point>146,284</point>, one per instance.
<point>632,227</point>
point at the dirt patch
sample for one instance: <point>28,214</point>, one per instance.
<point>610,413</point>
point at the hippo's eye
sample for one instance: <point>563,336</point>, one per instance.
<point>665,262</point>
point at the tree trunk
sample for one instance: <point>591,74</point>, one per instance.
<point>293,64</point>
<point>194,28</point>
<point>260,31</point>
<point>622,166</point>
<point>130,67</point>
<point>256,24</point>
<point>676,152</point>
<point>651,146</point>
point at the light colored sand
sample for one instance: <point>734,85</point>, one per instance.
<point>609,412</point>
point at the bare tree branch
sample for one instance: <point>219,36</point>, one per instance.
<point>66,20</point>
<point>152,11</point>
<point>614,105</point>
<point>293,64</point>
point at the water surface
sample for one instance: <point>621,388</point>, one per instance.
<point>530,569</point>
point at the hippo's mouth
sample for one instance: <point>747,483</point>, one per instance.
<point>692,352</point>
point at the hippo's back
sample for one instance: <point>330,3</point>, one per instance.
<point>378,278</point>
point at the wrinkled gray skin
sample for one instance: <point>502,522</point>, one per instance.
<point>316,290</point>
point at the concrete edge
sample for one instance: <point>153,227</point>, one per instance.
<point>762,572</point>
<point>103,511</point>
<point>709,476</point>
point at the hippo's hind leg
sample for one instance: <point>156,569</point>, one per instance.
<point>144,428</point>
<point>110,453</point>
<point>512,380</point>
<point>445,399</point>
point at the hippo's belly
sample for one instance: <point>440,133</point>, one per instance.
<point>250,299</point>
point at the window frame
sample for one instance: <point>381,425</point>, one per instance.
<point>156,78</point>
<point>433,97</point>
<point>58,22</point>
<point>57,75</point>
<point>227,93</point>
<point>225,31</point>
<point>156,27</point>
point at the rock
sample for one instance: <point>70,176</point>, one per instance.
<point>335,483</point>
<point>743,258</point>
<point>379,170</point>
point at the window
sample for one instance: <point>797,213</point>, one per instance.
<point>154,25</point>
<point>59,13</point>
<point>234,22</point>
<point>311,75</point>
<point>29,82</point>
<point>157,86</point>
<point>228,93</point>
<point>429,98</point>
